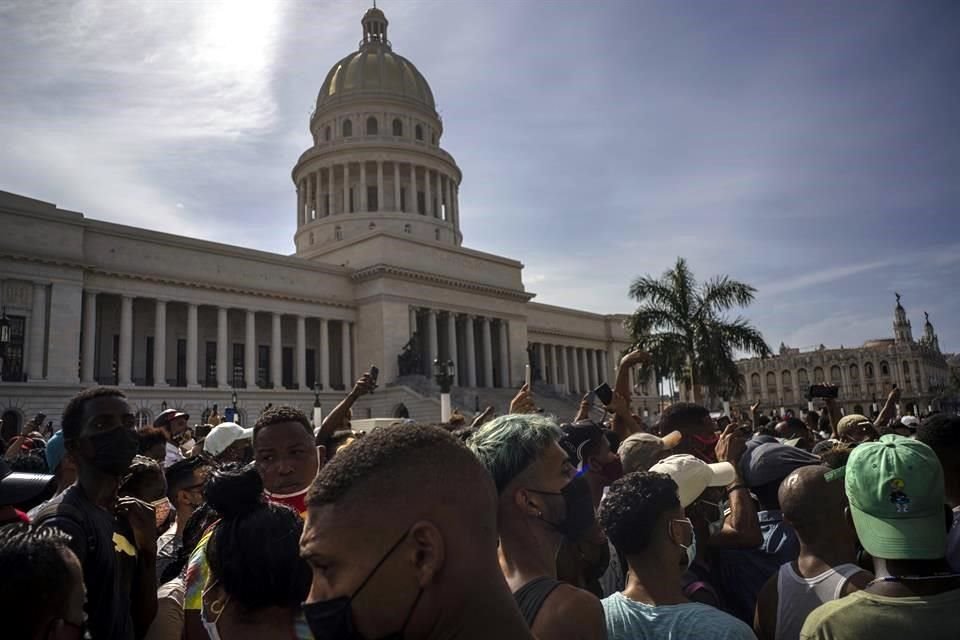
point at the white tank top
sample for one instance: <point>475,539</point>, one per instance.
<point>798,596</point>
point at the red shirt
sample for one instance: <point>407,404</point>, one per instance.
<point>297,501</point>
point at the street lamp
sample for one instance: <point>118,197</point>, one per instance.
<point>317,409</point>
<point>443,373</point>
<point>163,406</point>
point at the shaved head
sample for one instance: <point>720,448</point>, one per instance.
<point>813,502</point>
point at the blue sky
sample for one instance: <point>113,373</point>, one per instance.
<point>810,149</point>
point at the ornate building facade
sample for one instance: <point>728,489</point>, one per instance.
<point>380,269</point>
<point>864,375</point>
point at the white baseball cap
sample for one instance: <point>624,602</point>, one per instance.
<point>223,435</point>
<point>693,475</point>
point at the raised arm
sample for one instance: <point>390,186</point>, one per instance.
<point>742,528</point>
<point>335,419</point>
<point>889,409</point>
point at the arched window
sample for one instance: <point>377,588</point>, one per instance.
<point>787,380</point>
<point>884,369</point>
<point>371,126</point>
<point>771,382</point>
<point>835,376</point>
<point>868,371</point>
<point>337,233</point>
<point>418,132</point>
<point>755,383</point>
<point>347,128</point>
<point>818,375</point>
<point>906,368</point>
<point>326,134</point>
<point>803,380</point>
<point>397,127</point>
<point>854,372</point>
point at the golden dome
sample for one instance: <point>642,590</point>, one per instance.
<point>375,70</point>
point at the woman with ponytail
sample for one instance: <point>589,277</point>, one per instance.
<point>256,578</point>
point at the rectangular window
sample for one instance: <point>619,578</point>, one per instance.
<point>13,360</point>
<point>311,368</point>
<point>115,360</point>
<point>403,198</point>
<point>181,362</point>
<point>421,203</point>
<point>350,208</point>
<point>372,199</point>
<point>238,364</point>
<point>263,366</point>
<point>148,362</point>
<point>286,378</point>
<point>211,369</point>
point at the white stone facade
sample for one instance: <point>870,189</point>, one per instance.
<point>186,322</point>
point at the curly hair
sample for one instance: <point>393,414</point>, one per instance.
<point>276,415</point>
<point>633,506</point>
<point>33,568</point>
<point>682,415</point>
<point>941,433</point>
<point>151,437</point>
<point>71,420</point>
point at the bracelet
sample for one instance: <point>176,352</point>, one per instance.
<point>733,488</point>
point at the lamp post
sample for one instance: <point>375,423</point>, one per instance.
<point>4,339</point>
<point>317,409</point>
<point>163,406</point>
<point>233,402</point>
<point>443,373</point>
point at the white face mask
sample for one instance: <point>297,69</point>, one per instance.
<point>216,609</point>
<point>287,495</point>
<point>691,548</point>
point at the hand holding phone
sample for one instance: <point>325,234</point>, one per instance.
<point>604,393</point>
<point>823,391</point>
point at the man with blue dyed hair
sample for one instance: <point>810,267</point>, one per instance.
<point>540,504</point>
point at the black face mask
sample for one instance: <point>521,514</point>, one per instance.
<point>333,619</point>
<point>113,450</point>
<point>579,509</point>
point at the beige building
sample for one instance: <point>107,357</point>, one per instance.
<point>187,323</point>
<point>865,375</point>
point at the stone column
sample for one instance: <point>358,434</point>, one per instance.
<point>471,351</point>
<point>504,356</point>
<point>380,206</point>
<point>433,349</point>
<point>301,353</point>
<point>487,344</point>
<point>324,354</point>
<point>412,201</point>
<point>363,187</point>
<point>449,199</point>
<point>318,194</point>
<point>89,347</point>
<point>222,365</point>
<point>38,330</point>
<point>428,192</point>
<point>605,365</point>
<point>250,351</point>
<point>554,369</point>
<point>584,371</point>
<point>347,355</point>
<point>396,187</point>
<point>192,311</point>
<point>452,339</point>
<point>592,365</point>
<point>346,188</point>
<point>574,367</point>
<point>455,204</point>
<point>300,200</point>
<point>160,343</point>
<point>276,351</point>
<point>125,358</point>
<point>413,321</point>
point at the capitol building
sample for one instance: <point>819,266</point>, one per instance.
<point>864,375</point>
<point>379,270</point>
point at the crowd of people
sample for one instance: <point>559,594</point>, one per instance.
<point>514,526</point>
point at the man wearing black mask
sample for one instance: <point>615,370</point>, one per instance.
<point>114,538</point>
<point>540,505</point>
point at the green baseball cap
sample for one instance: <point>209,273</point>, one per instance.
<point>896,494</point>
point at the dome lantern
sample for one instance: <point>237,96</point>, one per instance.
<point>374,28</point>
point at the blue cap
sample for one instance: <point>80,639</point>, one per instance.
<point>55,450</point>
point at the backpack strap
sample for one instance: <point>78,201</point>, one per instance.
<point>70,512</point>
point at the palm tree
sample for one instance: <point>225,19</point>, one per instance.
<point>683,324</point>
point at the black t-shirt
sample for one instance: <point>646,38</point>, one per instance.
<point>106,551</point>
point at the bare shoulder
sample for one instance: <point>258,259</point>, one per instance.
<point>570,612</point>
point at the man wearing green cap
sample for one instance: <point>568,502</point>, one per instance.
<point>896,494</point>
